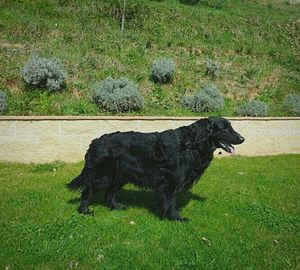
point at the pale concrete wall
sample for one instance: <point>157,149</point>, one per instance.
<point>47,139</point>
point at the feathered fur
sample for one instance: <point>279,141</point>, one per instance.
<point>168,162</point>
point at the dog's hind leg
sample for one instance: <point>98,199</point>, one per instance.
<point>85,200</point>
<point>87,194</point>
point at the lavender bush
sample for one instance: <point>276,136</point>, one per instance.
<point>117,95</point>
<point>44,73</point>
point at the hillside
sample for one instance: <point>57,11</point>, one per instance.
<point>256,43</point>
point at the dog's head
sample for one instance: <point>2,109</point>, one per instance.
<point>224,136</point>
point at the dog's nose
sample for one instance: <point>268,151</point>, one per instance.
<point>242,139</point>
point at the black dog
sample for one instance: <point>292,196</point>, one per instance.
<point>168,162</point>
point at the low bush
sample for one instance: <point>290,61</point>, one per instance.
<point>3,102</point>
<point>253,108</point>
<point>163,70</point>
<point>44,73</point>
<point>117,95</point>
<point>291,104</point>
<point>213,68</point>
<point>207,100</point>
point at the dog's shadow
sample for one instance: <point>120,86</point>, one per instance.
<point>142,199</point>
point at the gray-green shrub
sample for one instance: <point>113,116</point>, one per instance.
<point>253,108</point>
<point>3,102</point>
<point>207,100</point>
<point>291,104</point>
<point>44,73</point>
<point>117,95</point>
<point>163,70</point>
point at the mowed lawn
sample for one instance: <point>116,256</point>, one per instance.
<point>244,214</point>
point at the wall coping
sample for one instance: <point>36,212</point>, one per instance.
<point>143,118</point>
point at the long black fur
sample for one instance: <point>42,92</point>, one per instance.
<point>168,162</point>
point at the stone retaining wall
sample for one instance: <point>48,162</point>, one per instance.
<point>47,139</point>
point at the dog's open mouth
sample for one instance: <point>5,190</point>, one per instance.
<point>227,147</point>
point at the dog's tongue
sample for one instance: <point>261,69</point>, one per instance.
<point>232,150</point>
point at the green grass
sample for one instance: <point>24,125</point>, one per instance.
<point>245,214</point>
<point>256,43</point>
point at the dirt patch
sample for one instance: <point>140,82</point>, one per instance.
<point>13,84</point>
<point>54,34</point>
<point>7,45</point>
<point>270,81</point>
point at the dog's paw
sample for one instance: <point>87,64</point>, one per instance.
<point>85,210</point>
<point>179,219</point>
<point>118,207</point>
<point>183,219</point>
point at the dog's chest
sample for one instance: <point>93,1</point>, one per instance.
<point>197,163</point>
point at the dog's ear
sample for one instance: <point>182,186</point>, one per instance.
<point>218,123</point>
<point>208,129</point>
<point>214,123</point>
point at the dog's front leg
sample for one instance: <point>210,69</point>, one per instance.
<point>110,196</point>
<point>170,210</point>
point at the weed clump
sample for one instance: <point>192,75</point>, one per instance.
<point>291,104</point>
<point>213,68</point>
<point>163,70</point>
<point>189,2</point>
<point>207,100</point>
<point>117,95</point>
<point>214,3</point>
<point>135,11</point>
<point>253,108</point>
<point>44,73</point>
<point>3,102</point>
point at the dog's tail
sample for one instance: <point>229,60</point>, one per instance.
<point>79,182</point>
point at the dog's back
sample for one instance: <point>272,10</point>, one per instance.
<point>147,160</point>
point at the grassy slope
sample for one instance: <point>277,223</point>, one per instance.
<point>255,41</point>
<point>244,215</point>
